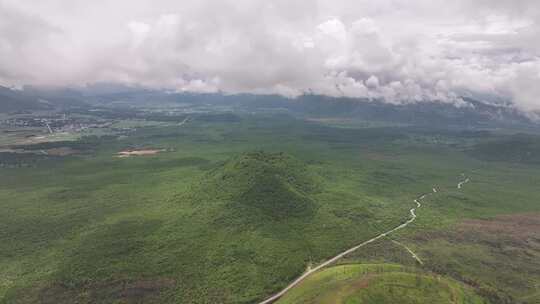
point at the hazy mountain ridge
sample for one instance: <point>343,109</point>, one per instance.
<point>13,101</point>
<point>473,113</point>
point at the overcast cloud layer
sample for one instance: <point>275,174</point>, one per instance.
<point>399,50</point>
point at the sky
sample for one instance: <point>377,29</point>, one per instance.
<point>399,51</point>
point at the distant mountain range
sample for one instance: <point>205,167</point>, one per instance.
<point>475,113</point>
<point>14,101</point>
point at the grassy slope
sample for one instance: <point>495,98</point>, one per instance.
<point>104,229</point>
<point>378,284</point>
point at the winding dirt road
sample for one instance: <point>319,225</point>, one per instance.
<point>460,184</point>
<point>412,218</point>
<point>183,121</point>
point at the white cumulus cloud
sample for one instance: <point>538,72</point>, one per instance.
<point>392,50</point>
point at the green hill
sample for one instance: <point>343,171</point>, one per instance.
<point>260,186</point>
<point>381,283</point>
<point>233,234</point>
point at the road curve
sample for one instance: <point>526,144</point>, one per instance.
<point>306,274</point>
<point>460,184</point>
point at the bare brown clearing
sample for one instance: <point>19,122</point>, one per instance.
<point>144,152</point>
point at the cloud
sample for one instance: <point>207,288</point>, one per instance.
<point>392,50</point>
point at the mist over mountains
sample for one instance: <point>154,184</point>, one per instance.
<point>471,113</point>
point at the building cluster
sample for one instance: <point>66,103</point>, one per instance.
<point>59,123</point>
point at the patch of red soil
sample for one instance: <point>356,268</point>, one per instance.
<point>364,283</point>
<point>63,151</point>
<point>517,226</point>
<point>515,230</point>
